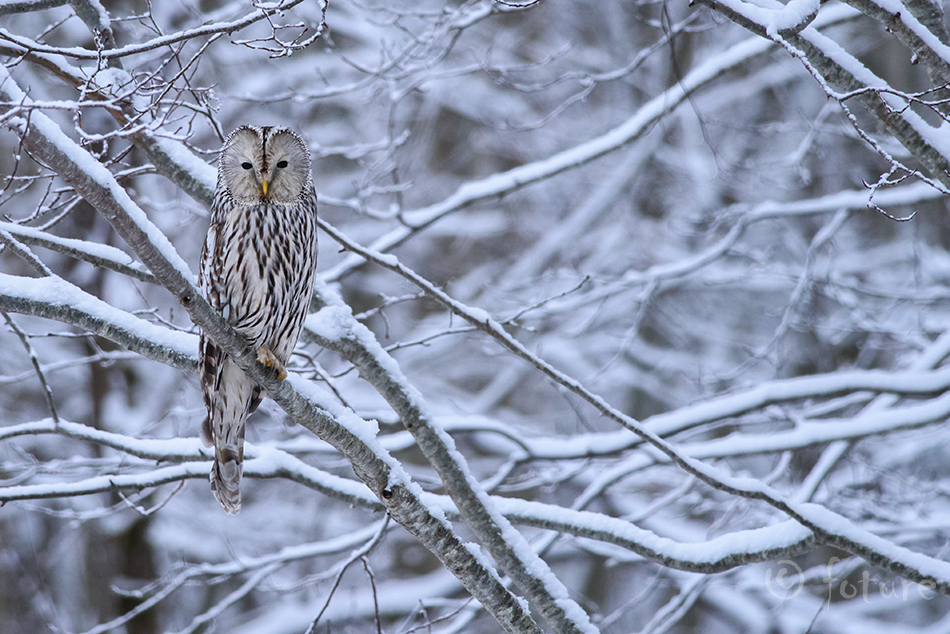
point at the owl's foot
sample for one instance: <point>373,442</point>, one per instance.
<point>269,360</point>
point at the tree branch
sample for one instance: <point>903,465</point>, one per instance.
<point>341,428</point>
<point>834,66</point>
<point>507,546</point>
<point>717,555</point>
<point>829,528</point>
<point>55,298</point>
<point>158,42</point>
<point>97,254</point>
<point>10,7</point>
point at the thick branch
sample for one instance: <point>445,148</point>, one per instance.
<point>26,6</point>
<point>928,45</point>
<point>507,546</point>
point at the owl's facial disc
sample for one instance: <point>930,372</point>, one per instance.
<point>274,172</point>
<point>286,165</point>
<point>269,164</point>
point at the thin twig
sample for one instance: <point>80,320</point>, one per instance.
<point>47,390</point>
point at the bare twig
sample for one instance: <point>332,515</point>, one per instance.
<point>47,390</point>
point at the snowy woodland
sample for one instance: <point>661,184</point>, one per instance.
<point>633,316</point>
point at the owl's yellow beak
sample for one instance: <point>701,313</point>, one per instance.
<point>264,187</point>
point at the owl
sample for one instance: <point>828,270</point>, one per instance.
<point>257,269</point>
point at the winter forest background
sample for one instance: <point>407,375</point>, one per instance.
<point>649,300</point>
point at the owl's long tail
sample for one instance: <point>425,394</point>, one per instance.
<point>226,479</point>
<point>228,465</point>
<point>230,398</point>
<point>227,469</point>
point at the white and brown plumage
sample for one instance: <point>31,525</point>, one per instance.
<point>257,269</point>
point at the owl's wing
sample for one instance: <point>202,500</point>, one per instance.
<point>210,355</point>
<point>211,282</point>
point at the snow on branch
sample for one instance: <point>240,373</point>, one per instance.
<point>911,194</point>
<point>263,12</point>
<point>54,298</point>
<point>263,463</point>
<point>900,20</point>
<point>99,484</point>
<point>784,20</point>
<point>179,449</point>
<point>732,406</point>
<point>112,91</point>
<point>785,539</point>
<point>634,128</point>
<point>341,332</point>
<point>98,254</point>
<point>92,180</point>
<point>499,184</point>
<point>716,555</point>
<point>831,65</point>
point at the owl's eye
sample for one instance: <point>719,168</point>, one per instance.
<point>246,165</point>
<point>282,164</point>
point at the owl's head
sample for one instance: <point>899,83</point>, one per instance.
<point>264,163</point>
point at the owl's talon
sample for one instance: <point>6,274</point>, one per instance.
<point>269,360</point>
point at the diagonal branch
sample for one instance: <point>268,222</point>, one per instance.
<point>832,65</point>
<point>828,527</point>
<point>77,52</point>
<point>927,41</point>
<point>341,428</point>
<point>495,533</point>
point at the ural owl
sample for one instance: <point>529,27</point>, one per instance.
<point>257,269</point>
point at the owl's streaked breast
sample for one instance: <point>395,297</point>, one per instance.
<point>263,267</point>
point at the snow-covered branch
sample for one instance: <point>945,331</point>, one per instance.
<point>659,361</point>
<point>342,429</point>
<point>54,298</point>
<point>334,328</point>
<point>828,527</point>
<point>717,555</point>
<point>94,253</point>
<point>260,14</point>
<point>512,180</point>
<point>833,66</point>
